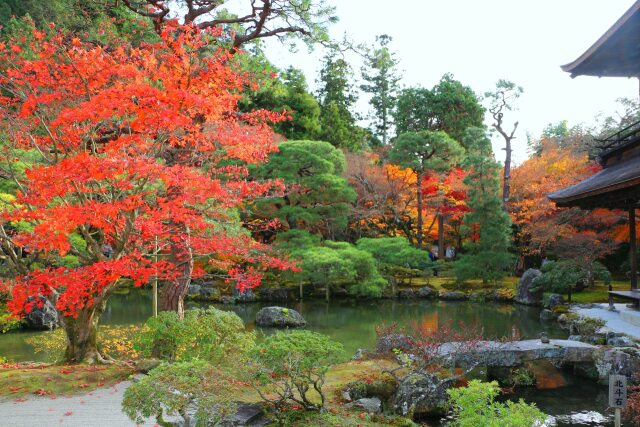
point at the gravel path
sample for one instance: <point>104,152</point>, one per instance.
<point>100,408</point>
<point>613,319</point>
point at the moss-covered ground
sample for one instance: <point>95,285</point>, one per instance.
<point>18,380</point>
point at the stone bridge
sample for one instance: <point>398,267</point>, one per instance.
<point>515,353</point>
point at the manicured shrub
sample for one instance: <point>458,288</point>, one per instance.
<point>214,335</point>
<point>171,389</point>
<point>340,263</point>
<point>475,405</point>
<point>290,368</point>
<point>395,252</point>
<point>559,276</point>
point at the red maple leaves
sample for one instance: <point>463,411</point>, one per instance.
<point>125,145</point>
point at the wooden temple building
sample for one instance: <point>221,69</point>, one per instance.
<point>617,185</point>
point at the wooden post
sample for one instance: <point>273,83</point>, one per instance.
<point>441,249</point>
<point>154,303</point>
<point>633,258</point>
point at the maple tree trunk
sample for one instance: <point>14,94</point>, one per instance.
<point>171,298</point>
<point>82,333</point>
<point>419,198</point>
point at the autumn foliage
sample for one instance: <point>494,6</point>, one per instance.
<point>125,145</point>
<point>544,228</point>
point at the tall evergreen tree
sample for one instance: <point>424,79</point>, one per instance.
<point>449,106</point>
<point>381,81</point>
<point>487,254</point>
<point>280,91</point>
<point>337,99</point>
<point>319,197</point>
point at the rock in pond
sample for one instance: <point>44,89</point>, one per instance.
<point>554,300</point>
<point>43,317</point>
<point>620,342</point>
<point>279,317</point>
<point>406,294</point>
<point>523,293</point>
<point>371,405</point>
<point>547,315</point>
<point>426,292</point>
<point>454,296</point>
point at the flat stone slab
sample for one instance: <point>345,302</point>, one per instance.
<point>615,321</point>
<point>514,353</point>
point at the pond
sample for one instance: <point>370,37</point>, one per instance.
<point>579,402</point>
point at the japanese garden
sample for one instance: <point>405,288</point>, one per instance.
<point>194,234</point>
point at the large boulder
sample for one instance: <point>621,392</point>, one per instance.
<point>41,316</point>
<point>371,405</point>
<point>616,361</point>
<point>279,317</point>
<point>421,394</point>
<point>523,292</point>
<point>618,341</point>
<point>247,414</point>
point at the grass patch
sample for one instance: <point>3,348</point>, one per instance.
<point>447,283</point>
<point>343,418</point>
<point>18,380</point>
<point>599,293</point>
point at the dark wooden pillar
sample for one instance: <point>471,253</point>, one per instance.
<point>633,258</point>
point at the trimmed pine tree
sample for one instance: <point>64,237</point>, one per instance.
<point>487,226</point>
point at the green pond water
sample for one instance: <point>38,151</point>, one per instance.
<point>578,402</point>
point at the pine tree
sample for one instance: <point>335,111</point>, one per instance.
<point>488,225</point>
<point>337,99</point>
<point>381,79</point>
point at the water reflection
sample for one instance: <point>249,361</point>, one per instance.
<point>353,324</point>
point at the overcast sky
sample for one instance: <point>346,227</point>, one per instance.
<point>483,41</point>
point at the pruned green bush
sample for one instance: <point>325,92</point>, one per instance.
<point>209,334</point>
<point>395,252</point>
<point>290,367</point>
<point>559,276</point>
<point>179,389</point>
<point>340,263</point>
<point>475,406</point>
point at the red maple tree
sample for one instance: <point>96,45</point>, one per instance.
<point>124,150</point>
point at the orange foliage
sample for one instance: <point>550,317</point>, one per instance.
<point>386,202</point>
<point>541,225</point>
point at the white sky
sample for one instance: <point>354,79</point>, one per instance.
<point>481,41</point>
